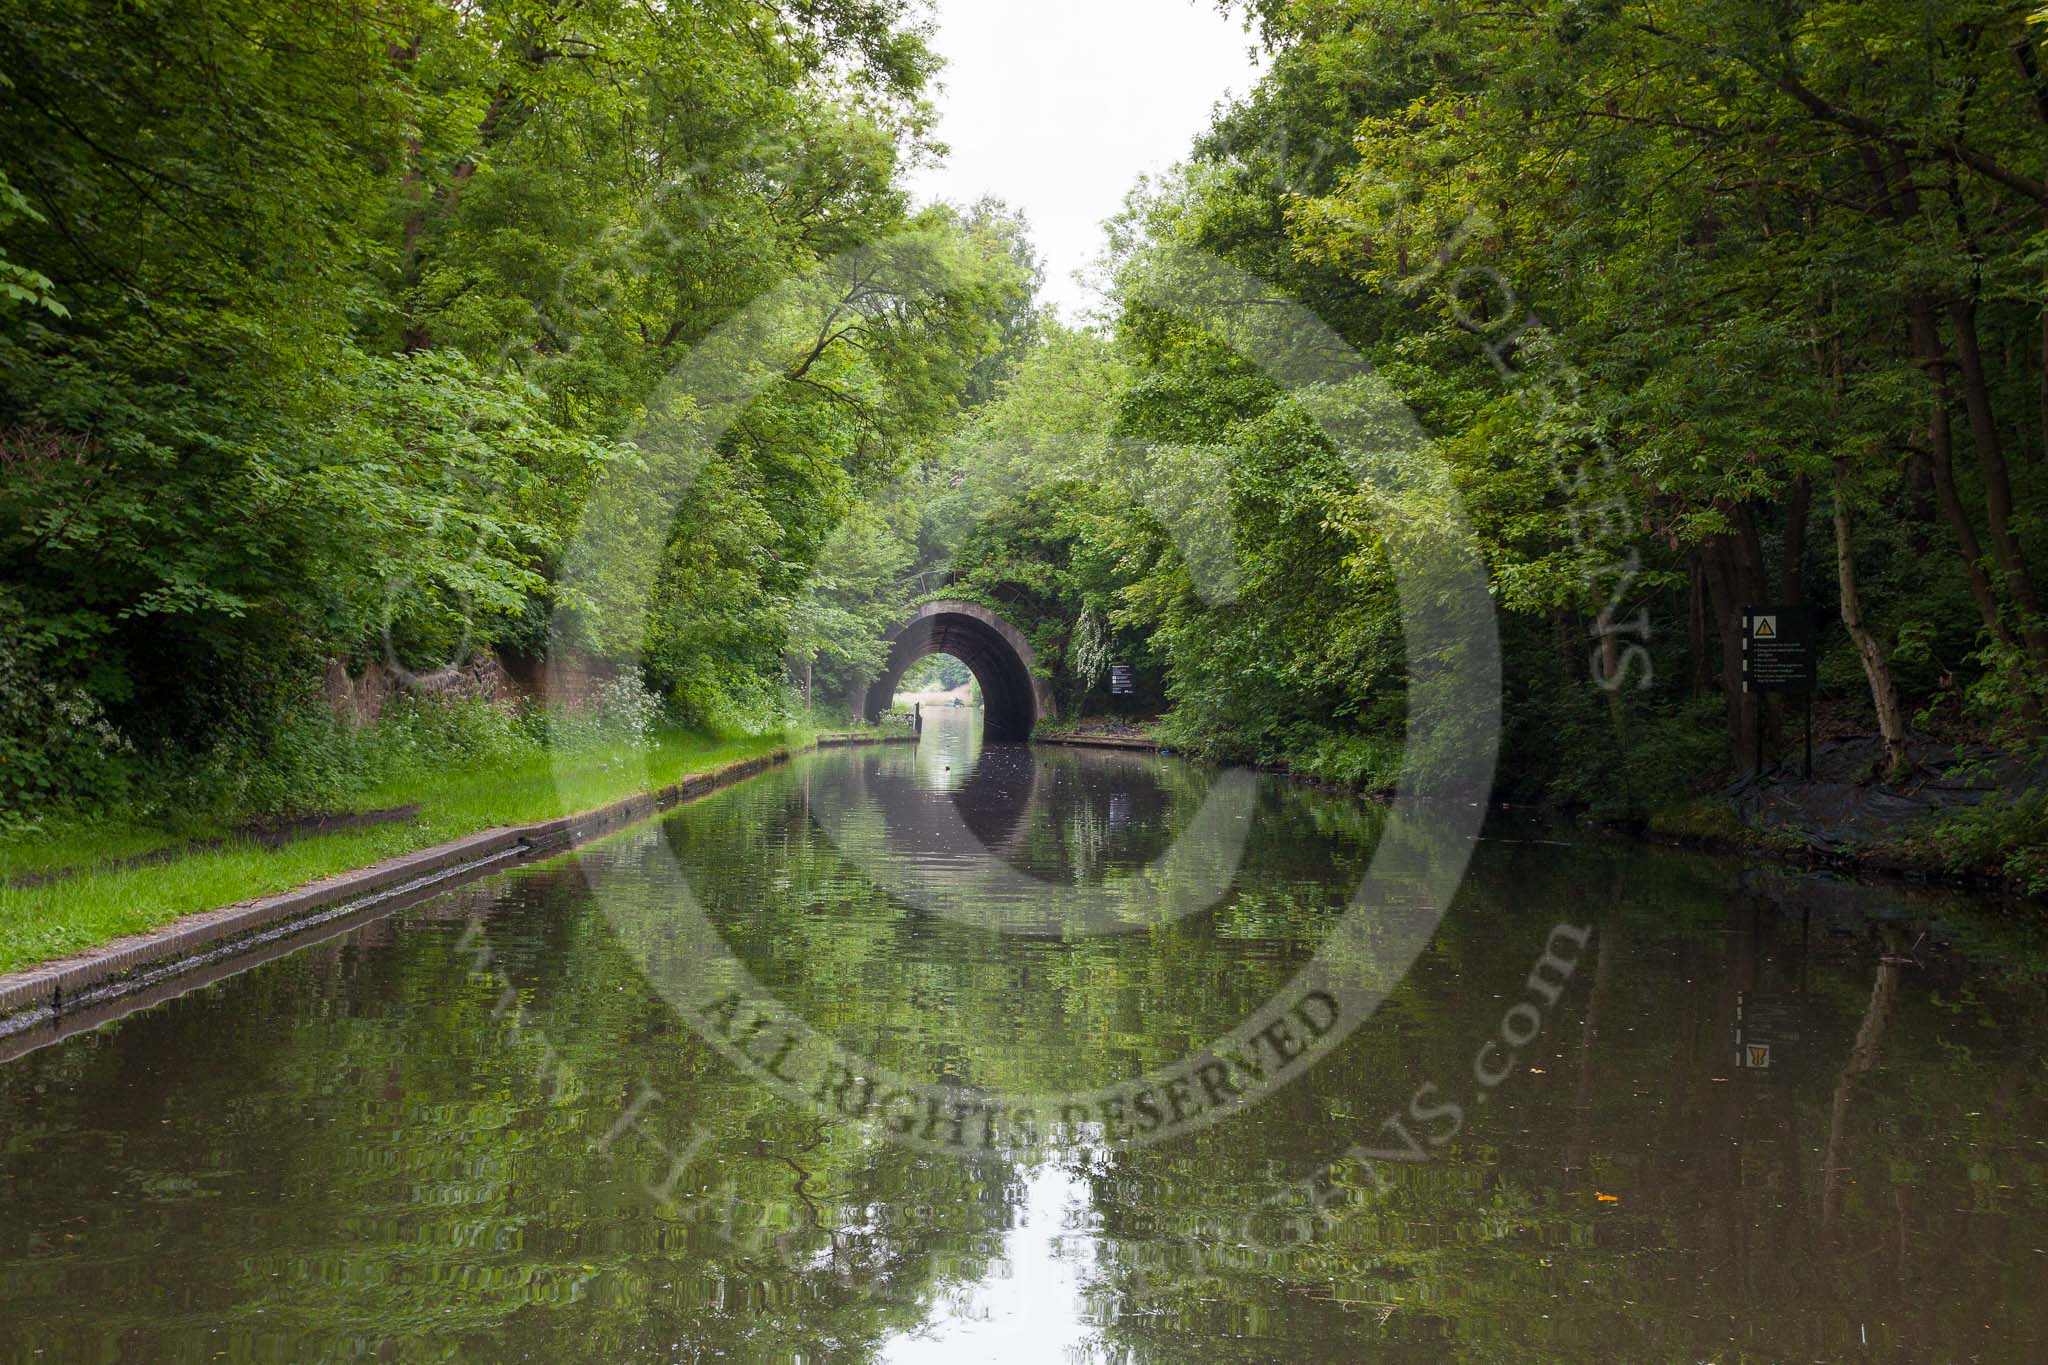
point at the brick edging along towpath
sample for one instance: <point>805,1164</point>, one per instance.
<point>49,989</point>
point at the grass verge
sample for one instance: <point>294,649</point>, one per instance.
<point>38,923</point>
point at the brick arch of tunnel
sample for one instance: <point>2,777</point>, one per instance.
<point>1013,696</point>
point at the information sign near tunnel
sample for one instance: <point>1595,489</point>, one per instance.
<point>1014,695</point>
<point>1777,649</point>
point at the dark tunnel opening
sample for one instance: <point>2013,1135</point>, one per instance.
<point>996,652</point>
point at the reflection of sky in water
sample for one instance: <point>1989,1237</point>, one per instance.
<point>1029,1306</point>
<point>949,747</point>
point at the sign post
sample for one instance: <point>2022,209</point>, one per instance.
<point>1779,655</point>
<point>1123,681</point>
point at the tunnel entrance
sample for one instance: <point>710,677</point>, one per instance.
<point>1013,698</point>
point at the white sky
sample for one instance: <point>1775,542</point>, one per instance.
<point>1058,106</point>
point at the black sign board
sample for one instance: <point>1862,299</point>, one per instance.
<point>1123,682</point>
<point>1778,653</point>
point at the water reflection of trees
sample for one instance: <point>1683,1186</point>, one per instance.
<point>358,1152</point>
<point>351,1151</point>
<point>1878,1190</point>
<point>929,997</point>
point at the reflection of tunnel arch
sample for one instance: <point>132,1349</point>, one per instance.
<point>992,804</point>
<point>1012,696</point>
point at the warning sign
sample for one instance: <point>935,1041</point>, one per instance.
<point>1778,653</point>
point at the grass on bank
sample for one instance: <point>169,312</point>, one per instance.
<point>101,903</point>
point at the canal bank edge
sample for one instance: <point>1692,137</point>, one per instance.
<point>50,990</point>
<point>1143,746</point>
<point>1705,824</point>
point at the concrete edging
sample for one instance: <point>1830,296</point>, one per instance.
<point>50,989</point>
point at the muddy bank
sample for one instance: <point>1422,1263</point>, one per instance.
<point>1849,815</point>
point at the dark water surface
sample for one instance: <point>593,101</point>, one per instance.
<point>1764,1117</point>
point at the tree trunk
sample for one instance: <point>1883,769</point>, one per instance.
<point>1696,627</point>
<point>1884,694</point>
<point>1578,1150</point>
<point>1792,562</point>
<point>1862,1056</point>
<point>1752,580</point>
<point>1718,555</point>
<point>1928,353</point>
<point>1918,507</point>
<point>2005,545</point>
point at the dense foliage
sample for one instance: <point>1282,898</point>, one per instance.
<point>1704,305</point>
<point>318,323</point>
<point>319,327</point>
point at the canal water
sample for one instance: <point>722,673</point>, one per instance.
<point>1624,1103</point>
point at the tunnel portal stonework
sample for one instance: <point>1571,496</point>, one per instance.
<point>1014,697</point>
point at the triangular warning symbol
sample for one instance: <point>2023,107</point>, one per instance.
<point>1765,629</point>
